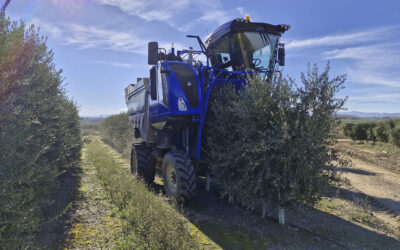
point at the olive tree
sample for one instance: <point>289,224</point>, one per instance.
<point>382,132</point>
<point>273,141</point>
<point>348,129</point>
<point>396,136</point>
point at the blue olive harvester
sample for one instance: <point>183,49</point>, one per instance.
<point>167,109</point>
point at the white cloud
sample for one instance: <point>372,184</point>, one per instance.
<point>371,77</point>
<point>70,6</point>
<point>211,16</point>
<point>387,53</point>
<point>149,10</point>
<point>180,14</point>
<point>376,64</point>
<point>372,97</point>
<point>214,16</point>
<point>121,65</point>
<point>368,57</point>
<point>341,39</point>
<point>240,10</point>
<point>54,31</point>
<point>85,37</point>
<point>375,100</point>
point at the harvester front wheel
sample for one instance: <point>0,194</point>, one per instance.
<point>179,176</point>
<point>142,162</point>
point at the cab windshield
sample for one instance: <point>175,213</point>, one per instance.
<point>244,50</point>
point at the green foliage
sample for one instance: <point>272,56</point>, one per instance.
<point>371,134</point>
<point>382,133</point>
<point>90,126</point>
<point>360,132</point>
<point>116,131</point>
<point>396,136</point>
<point>39,132</point>
<point>273,141</point>
<point>372,130</point>
<point>391,124</point>
<point>348,129</point>
<point>149,222</point>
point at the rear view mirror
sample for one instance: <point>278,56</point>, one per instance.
<point>281,56</point>
<point>152,56</point>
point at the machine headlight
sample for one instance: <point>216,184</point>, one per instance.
<point>181,104</point>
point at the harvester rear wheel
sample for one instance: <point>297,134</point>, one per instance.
<point>142,162</point>
<point>179,176</point>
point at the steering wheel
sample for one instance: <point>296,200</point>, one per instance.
<point>256,62</point>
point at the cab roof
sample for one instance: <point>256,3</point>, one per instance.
<point>240,25</point>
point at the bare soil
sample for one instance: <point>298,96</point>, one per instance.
<point>307,228</point>
<point>362,213</point>
<point>377,176</point>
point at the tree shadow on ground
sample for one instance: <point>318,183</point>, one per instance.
<point>375,203</point>
<point>52,233</point>
<point>354,171</point>
<point>308,228</point>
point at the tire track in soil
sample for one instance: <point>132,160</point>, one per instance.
<point>377,185</point>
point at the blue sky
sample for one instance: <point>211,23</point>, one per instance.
<point>101,44</point>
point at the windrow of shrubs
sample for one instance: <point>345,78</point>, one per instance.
<point>39,133</point>
<point>383,131</point>
<point>273,141</point>
<point>149,222</point>
<point>116,131</point>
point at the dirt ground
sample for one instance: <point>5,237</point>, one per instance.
<point>377,176</point>
<point>362,213</point>
<point>307,228</point>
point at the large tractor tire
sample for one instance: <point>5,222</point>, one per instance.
<point>143,163</point>
<point>179,176</point>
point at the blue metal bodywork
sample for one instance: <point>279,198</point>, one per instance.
<point>161,109</point>
<point>148,108</point>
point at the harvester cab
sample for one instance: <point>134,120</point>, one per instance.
<point>241,45</point>
<point>167,109</point>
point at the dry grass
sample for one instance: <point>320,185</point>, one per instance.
<point>149,222</point>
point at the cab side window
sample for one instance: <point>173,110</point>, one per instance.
<point>221,57</point>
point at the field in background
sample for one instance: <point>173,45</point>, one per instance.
<point>90,125</point>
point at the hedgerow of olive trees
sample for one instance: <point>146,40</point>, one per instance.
<point>274,140</point>
<point>348,129</point>
<point>117,131</point>
<point>39,132</point>
<point>360,132</point>
<point>396,136</point>
<point>383,131</point>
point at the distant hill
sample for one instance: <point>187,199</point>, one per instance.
<point>353,114</point>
